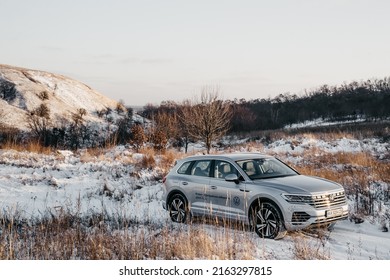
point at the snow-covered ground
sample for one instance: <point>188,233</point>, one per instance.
<point>326,122</point>
<point>34,185</point>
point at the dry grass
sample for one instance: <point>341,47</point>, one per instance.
<point>148,160</point>
<point>168,159</point>
<point>87,157</point>
<point>329,136</point>
<point>309,248</point>
<point>96,152</point>
<point>31,146</point>
<point>362,168</point>
<point>344,158</point>
<point>66,238</point>
<point>359,173</point>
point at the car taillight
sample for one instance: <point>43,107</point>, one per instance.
<point>164,179</point>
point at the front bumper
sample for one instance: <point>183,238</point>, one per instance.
<point>302,216</point>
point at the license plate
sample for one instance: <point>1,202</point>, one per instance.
<point>334,212</point>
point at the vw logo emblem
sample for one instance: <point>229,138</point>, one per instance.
<point>236,200</point>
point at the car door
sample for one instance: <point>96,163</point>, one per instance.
<point>228,199</point>
<point>197,182</point>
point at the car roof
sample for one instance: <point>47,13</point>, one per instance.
<point>228,156</point>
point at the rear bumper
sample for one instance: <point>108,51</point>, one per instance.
<point>164,205</point>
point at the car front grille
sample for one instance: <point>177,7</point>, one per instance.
<point>328,200</point>
<point>299,217</point>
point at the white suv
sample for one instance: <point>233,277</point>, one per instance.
<point>257,189</point>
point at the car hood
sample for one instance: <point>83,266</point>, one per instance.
<point>299,184</point>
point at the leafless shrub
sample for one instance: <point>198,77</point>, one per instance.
<point>43,95</point>
<point>78,117</point>
<point>100,113</point>
<point>138,137</point>
<point>159,140</point>
<point>120,107</point>
<point>39,122</point>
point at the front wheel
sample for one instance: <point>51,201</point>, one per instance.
<point>267,221</point>
<point>178,210</point>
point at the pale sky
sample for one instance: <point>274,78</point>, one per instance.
<point>149,51</point>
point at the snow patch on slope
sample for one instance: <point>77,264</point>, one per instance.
<point>62,95</point>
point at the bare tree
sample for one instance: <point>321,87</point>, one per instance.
<point>166,122</point>
<point>185,115</point>
<point>209,119</point>
<point>123,134</point>
<point>38,120</point>
<point>78,130</point>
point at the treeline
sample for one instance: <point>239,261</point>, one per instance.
<point>368,99</point>
<point>206,118</point>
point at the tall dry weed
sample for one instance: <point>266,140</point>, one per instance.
<point>309,249</point>
<point>31,146</point>
<point>148,160</point>
<point>69,237</point>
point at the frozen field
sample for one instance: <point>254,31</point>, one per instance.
<point>34,185</point>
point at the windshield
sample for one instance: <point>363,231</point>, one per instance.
<point>263,168</point>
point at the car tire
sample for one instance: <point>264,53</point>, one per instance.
<point>178,209</point>
<point>266,221</point>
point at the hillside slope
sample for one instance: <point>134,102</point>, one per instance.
<point>23,90</point>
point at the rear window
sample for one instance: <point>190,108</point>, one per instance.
<point>184,168</point>
<point>201,168</point>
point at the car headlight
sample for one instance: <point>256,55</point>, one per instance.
<point>298,198</point>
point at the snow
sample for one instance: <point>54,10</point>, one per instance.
<point>35,185</point>
<point>64,96</point>
<point>324,122</point>
<point>297,145</point>
<point>363,241</point>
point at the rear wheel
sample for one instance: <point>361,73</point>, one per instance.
<point>178,210</point>
<point>267,221</point>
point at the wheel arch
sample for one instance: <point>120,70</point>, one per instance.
<point>260,199</point>
<point>174,192</point>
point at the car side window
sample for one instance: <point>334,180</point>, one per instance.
<point>249,167</point>
<point>201,168</point>
<point>184,168</point>
<point>223,168</point>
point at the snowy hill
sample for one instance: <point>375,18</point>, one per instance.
<point>23,90</point>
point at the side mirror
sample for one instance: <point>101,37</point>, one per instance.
<point>232,178</point>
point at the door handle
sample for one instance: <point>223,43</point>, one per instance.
<point>213,187</point>
<point>243,190</point>
<point>184,183</point>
